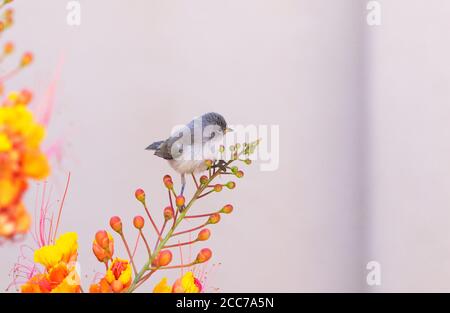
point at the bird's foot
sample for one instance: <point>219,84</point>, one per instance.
<point>221,164</point>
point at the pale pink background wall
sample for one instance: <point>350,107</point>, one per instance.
<point>363,123</point>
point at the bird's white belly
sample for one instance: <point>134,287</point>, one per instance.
<point>186,166</point>
<point>192,160</point>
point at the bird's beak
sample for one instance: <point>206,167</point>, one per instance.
<point>227,130</point>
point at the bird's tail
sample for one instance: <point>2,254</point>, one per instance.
<point>155,145</point>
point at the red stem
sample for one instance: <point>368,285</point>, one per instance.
<point>205,194</point>
<point>160,234</point>
<point>200,215</point>
<point>152,221</point>
<point>128,251</point>
<point>181,244</point>
<point>195,180</point>
<point>61,207</point>
<point>145,242</point>
<point>190,230</point>
<point>174,266</point>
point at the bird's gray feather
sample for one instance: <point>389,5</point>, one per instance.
<point>165,149</point>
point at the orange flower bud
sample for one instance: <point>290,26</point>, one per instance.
<point>239,174</point>
<point>203,256</point>
<point>168,181</point>
<point>103,246</point>
<point>218,188</point>
<point>8,48</point>
<point>168,213</point>
<point>227,209</point>
<point>203,180</point>
<point>164,258</point>
<point>117,286</point>
<point>140,195</point>
<point>214,218</point>
<point>26,60</point>
<point>116,224</point>
<point>203,235</point>
<point>101,238</point>
<point>138,222</point>
<point>180,200</point>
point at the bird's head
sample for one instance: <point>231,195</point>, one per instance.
<point>216,122</point>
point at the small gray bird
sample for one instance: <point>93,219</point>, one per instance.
<point>188,148</point>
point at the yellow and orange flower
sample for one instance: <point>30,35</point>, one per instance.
<point>60,275</point>
<point>117,278</point>
<point>21,159</point>
<point>186,284</point>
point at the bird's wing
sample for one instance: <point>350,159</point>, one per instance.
<point>170,149</point>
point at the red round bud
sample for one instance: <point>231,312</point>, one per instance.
<point>203,256</point>
<point>168,181</point>
<point>180,200</point>
<point>218,188</point>
<point>138,222</point>
<point>168,213</point>
<point>214,218</point>
<point>231,185</point>
<point>239,174</point>
<point>203,180</point>
<point>203,235</point>
<point>116,224</point>
<point>164,258</point>
<point>227,209</point>
<point>140,195</point>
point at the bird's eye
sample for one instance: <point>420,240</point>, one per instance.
<point>213,134</point>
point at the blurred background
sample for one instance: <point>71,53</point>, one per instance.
<point>363,113</point>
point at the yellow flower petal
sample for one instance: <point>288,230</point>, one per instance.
<point>65,250</point>
<point>162,287</point>
<point>68,245</point>
<point>5,143</point>
<point>48,256</point>
<point>188,283</point>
